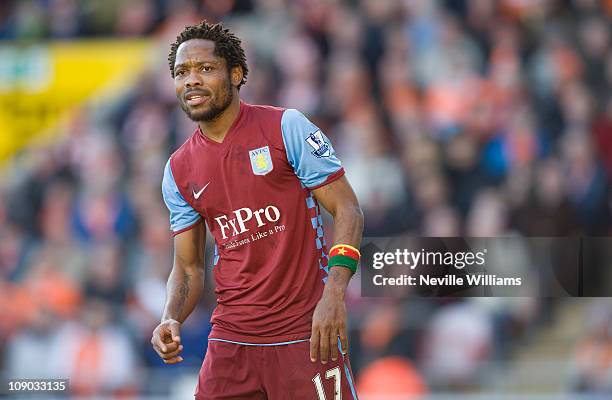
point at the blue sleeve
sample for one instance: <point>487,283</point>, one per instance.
<point>309,151</point>
<point>182,215</point>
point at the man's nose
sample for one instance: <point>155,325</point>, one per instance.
<point>193,79</point>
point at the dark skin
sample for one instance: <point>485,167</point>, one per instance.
<point>197,70</point>
<point>184,288</point>
<point>329,318</point>
<point>199,73</point>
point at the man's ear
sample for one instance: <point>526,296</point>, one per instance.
<point>236,75</point>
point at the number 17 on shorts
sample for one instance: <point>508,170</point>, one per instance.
<point>334,374</point>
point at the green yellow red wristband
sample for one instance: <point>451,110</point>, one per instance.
<point>345,250</point>
<point>344,255</point>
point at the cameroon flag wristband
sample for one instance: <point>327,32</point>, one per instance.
<point>344,255</point>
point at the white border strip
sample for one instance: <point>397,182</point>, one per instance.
<point>259,344</point>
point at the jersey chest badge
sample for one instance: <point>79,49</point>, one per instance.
<point>261,160</point>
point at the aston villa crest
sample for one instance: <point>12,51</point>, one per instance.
<point>318,142</point>
<point>261,160</point>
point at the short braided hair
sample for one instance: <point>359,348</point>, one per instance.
<point>227,46</point>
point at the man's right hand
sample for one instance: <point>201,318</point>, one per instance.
<point>166,341</point>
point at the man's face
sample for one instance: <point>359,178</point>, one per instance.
<point>202,80</point>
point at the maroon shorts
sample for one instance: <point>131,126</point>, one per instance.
<point>278,372</point>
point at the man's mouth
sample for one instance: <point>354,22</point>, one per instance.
<point>194,99</point>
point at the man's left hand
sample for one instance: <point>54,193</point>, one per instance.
<point>328,323</point>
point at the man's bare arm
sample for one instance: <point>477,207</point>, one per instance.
<point>186,281</point>
<point>339,199</point>
<point>184,288</point>
<point>329,319</point>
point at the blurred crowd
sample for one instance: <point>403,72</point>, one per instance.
<point>470,117</point>
<point>592,363</point>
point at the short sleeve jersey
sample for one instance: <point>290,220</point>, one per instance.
<point>253,190</point>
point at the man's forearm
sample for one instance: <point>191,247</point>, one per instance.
<point>337,281</point>
<point>182,293</point>
<point>348,228</point>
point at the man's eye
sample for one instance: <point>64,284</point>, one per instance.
<point>206,68</point>
<point>179,73</point>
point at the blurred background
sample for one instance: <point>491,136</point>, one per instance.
<point>467,117</point>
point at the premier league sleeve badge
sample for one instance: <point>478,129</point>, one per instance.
<point>317,141</point>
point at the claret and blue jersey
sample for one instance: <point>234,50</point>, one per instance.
<point>253,190</point>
